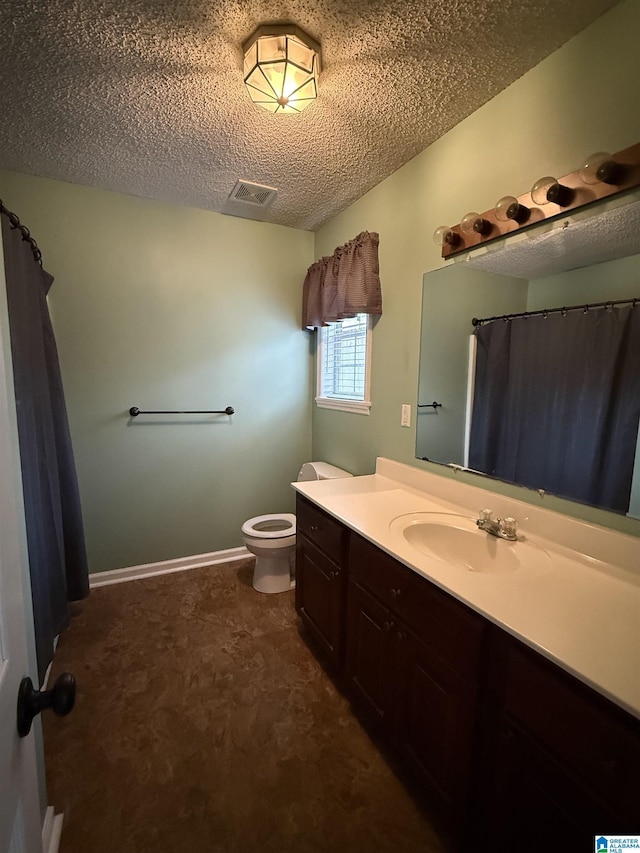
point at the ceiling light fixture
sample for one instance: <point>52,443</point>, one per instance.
<point>281,68</point>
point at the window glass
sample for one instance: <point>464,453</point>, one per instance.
<point>343,364</point>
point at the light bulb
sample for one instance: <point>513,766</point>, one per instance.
<point>548,189</point>
<point>600,167</point>
<point>509,208</point>
<point>445,236</point>
<point>473,223</point>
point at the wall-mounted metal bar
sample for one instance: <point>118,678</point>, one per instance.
<point>433,405</point>
<point>546,311</point>
<point>134,411</point>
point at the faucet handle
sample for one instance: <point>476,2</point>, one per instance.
<point>508,526</point>
<point>485,514</point>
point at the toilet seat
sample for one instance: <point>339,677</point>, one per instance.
<point>270,526</point>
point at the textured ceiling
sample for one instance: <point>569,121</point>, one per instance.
<point>146,96</point>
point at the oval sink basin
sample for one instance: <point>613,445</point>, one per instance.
<point>456,540</point>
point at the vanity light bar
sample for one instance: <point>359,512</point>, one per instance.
<point>549,198</point>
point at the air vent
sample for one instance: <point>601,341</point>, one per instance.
<point>256,195</point>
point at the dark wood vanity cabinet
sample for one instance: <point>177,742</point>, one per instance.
<point>320,578</point>
<point>556,757</point>
<point>412,663</point>
<point>512,751</point>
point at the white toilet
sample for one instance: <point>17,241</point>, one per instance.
<point>272,538</point>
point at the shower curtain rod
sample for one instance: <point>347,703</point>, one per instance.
<point>546,311</point>
<point>26,235</point>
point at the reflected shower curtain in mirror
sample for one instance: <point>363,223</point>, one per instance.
<point>557,403</point>
<point>55,537</point>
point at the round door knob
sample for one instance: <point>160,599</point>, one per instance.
<point>61,699</point>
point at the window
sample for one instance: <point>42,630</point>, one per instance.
<point>343,360</point>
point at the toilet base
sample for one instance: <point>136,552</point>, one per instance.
<point>273,574</point>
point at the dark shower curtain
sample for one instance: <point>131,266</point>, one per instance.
<point>557,403</point>
<point>55,537</point>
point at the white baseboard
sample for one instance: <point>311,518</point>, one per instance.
<point>180,564</point>
<point>51,831</point>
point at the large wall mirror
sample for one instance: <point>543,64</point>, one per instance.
<point>471,372</point>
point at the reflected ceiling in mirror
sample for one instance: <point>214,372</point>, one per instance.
<point>574,242</point>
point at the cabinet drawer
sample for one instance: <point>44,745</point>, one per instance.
<point>593,737</point>
<point>324,531</point>
<point>378,572</point>
<point>450,629</point>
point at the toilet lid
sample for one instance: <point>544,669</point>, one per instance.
<point>273,526</point>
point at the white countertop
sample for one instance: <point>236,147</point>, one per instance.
<point>580,609</point>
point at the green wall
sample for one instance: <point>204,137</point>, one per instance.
<point>619,279</point>
<point>163,307</point>
<point>583,98</point>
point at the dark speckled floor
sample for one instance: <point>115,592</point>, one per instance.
<point>204,723</point>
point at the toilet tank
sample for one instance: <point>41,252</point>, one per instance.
<point>320,471</point>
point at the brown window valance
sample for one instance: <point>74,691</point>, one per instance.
<point>344,284</point>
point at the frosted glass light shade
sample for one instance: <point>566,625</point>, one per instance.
<point>281,68</point>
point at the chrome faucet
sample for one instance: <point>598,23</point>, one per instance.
<point>504,528</point>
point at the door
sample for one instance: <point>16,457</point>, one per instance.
<point>371,660</point>
<point>435,725</point>
<point>319,597</point>
<point>20,810</point>
<point>530,789</point>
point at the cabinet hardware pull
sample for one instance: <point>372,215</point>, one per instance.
<point>402,636</point>
<point>389,625</point>
<point>395,592</point>
<point>314,528</point>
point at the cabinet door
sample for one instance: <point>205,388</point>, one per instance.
<point>535,803</point>
<point>435,724</point>
<point>370,669</point>
<point>320,598</point>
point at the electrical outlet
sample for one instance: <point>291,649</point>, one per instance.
<point>405,418</point>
